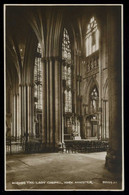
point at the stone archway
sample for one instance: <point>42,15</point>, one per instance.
<point>91,128</point>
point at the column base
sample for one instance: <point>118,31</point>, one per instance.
<point>114,162</point>
<point>60,147</point>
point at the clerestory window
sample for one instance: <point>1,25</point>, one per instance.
<point>92,37</point>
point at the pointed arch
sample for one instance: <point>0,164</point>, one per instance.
<point>91,84</point>
<point>29,58</point>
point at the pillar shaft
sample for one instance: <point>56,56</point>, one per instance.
<point>20,100</point>
<point>14,116</point>
<point>100,84</point>
<point>32,112</point>
<point>22,111</point>
<point>60,110</point>
<point>113,158</point>
<point>56,101</point>
<point>17,111</point>
<point>48,101</point>
<point>30,109</point>
<point>24,107</point>
<point>44,101</point>
<point>62,103</point>
<point>51,102</point>
<point>29,113</point>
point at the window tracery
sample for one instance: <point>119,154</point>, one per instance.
<point>38,92</point>
<point>92,37</point>
<point>66,73</point>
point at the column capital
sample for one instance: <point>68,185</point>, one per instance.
<point>23,84</point>
<point>51,58</point>
<point>43,59</point>
<point>58,58</point>
<point>29,84</point>
<point>104,100</point>
<point>17,93</point>
<point>14,93</point>
<point>46,59</point>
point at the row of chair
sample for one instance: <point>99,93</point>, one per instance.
<point>86,146</point>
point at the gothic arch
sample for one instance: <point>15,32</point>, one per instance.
<point>29,59</point>
<point>93,82</point>
<point>37,24</point>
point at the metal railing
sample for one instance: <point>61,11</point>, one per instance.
<point>15,145</point>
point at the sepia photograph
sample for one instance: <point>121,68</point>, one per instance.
<point>63,89</point>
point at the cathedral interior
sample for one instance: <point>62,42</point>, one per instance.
<point>63,69</point>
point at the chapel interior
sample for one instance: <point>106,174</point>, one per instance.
<point>63,69</point>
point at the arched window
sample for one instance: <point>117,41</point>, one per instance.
<point>92,37</point>
<point>66,47</point>
<point>38,92</point>
<point>70,121</point>
<point>66,73</point>
<point>94,96</point>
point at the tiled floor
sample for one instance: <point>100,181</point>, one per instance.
<point>59,171</point>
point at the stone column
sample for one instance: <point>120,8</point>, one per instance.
<point>105,118</point>
<point>20,100</point>
<point>48,101</point>
<point>29,113</point>
<point>44,118</point>
<point>76,72</point>
<point>32,112</point>
<point>11,110</point>
<point>114,154</point>
<point>60,104</point>
<point>57,102</point>
<point>17,111</point>
<point>51,101</point>
<point>24,113</point>
<point>100,81</point>
<point>14,124</point>
<point>75,83</point>
<point>15,115</point>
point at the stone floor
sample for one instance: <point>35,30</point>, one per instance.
<point>72,171</point>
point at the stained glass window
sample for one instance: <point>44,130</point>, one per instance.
<point>92,37</point>
<point>66,47</point>
<point>66,71</point>
<point>38,79</point>
<point>38,93</point>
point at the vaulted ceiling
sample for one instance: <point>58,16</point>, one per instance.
<point>27,25</point>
